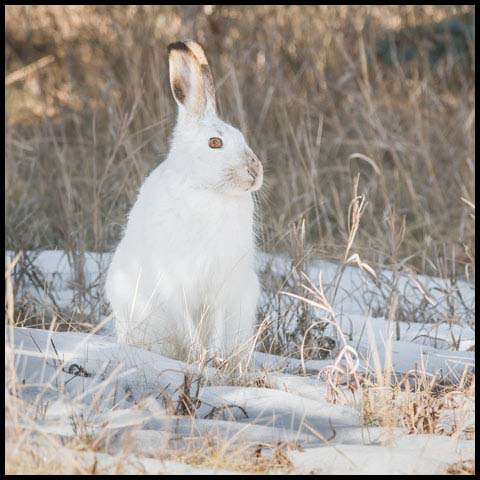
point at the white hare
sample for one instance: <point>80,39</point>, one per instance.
<point>183,274</point>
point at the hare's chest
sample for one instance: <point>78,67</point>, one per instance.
<point>220,232</point>
<point>191,235</point>
<point>218,239</point>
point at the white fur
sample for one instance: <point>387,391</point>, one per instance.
<point>183,275</point>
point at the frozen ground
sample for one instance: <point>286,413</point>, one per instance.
<point>76,383</point>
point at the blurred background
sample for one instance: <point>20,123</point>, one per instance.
<point>322,93</point>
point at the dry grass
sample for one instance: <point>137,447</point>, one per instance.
<point>253,458</point>
<point>417,401</point>
<point>72,458</point>
<point>466,467</point>
<point>84,130</point>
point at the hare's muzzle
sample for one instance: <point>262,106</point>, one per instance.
<point>255,169</point>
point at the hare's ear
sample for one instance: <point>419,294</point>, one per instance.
<point>207,77</point>
<point>190,78</point>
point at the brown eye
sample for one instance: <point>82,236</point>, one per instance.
<point>215,142</point>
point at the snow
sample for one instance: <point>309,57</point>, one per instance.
<point>120,392</point>
<point>420,455</point>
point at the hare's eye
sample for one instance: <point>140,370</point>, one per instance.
<point>215,142</point>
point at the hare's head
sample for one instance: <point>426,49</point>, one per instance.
<point>212,151</point>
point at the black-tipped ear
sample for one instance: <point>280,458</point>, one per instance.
<point>190,77</point>
<point>177,46</point>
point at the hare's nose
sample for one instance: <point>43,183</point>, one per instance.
<point>254,167</point>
